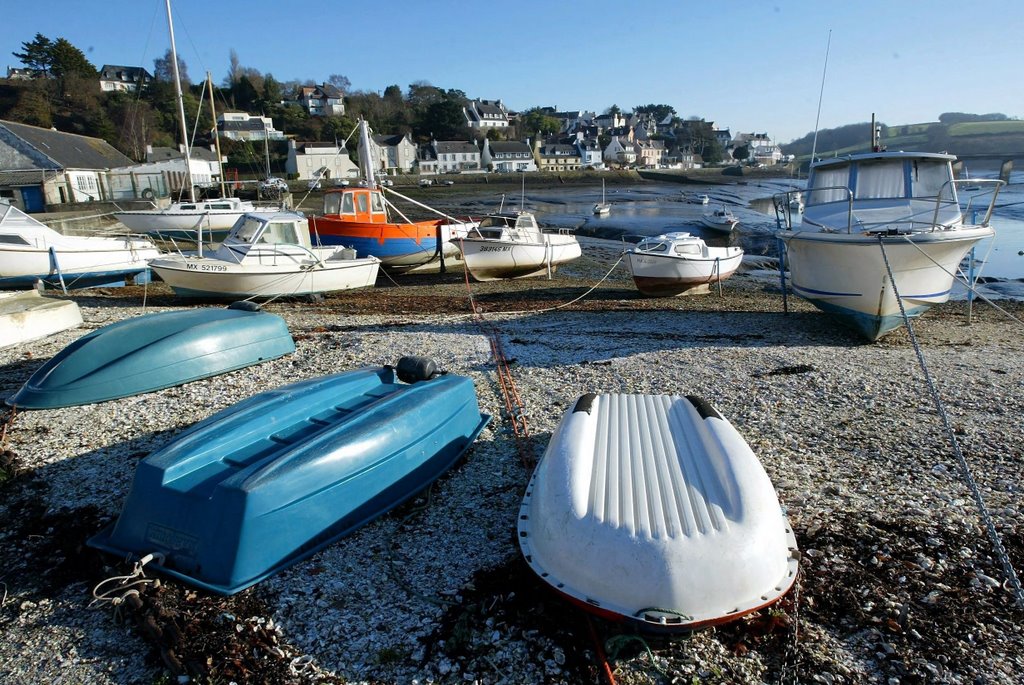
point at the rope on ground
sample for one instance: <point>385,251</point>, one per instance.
<point>993,534</point>
<point>117,590</point>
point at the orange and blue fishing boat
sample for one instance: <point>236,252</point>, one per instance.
<point>360,217</point>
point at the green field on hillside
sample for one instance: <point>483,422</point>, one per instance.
<point>985,128</point>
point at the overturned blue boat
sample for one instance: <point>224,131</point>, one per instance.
<point>271,480</point>
<point>155,351</point>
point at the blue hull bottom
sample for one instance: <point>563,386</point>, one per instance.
<point>871,327</point>
<point>392,252</point>
<point>106,279</point>
<point>272,480</point>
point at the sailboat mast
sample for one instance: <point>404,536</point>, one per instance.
<point>364,153</point>
<point>181,105</point>
<point>216,136</point>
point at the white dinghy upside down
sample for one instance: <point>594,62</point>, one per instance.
<point>653,510</point>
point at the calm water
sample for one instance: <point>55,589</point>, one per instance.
<point>651,208</point>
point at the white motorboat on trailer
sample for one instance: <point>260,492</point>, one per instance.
<point>512,245</point>
<point>652,509</point>
<point>31,252</point>
<point>874,218</point>
<point>674,263</point>
<point>267,255</point>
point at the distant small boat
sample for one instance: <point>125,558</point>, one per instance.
<point>155,351</point>
<point>27,315</point>
<point>653,510</point>
<point>721,219</point>
<point>273,479</point>
<point>602,207</point>
<point>673,263</point>
<point>512,245</point>
<point>31,252</point>
<point>266,255</point>
<point>698,199</point>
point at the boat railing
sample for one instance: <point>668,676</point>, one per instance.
<point>990,188</point>
<point>784,210</point>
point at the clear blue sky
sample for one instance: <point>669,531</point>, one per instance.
<point>748,66</point>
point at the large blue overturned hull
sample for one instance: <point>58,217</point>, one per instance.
<point>271,480</point>
<point>155,351</point>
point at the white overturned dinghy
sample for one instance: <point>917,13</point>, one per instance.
<point>652,509</point>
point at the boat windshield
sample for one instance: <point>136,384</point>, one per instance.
<point>687,248</point>
<point>247,229</point>
<point>280,233</point>
<point>653,246</point>
<point>497,221</point>
<point>332,203</point>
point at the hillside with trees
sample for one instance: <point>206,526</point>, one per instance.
<point>955,132</point>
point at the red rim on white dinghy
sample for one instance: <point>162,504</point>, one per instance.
<point>652,509</point>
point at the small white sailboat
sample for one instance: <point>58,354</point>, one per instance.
<point>653,510</point>
<point>603,207</point>
<point>512,245</point>
<point>870,214</point>
<point>267,255</point>
<point>674,263</point>
<point>721,219</point>
<point>31,252</point>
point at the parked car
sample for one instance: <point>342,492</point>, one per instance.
<point>387,182</point>
<point>424,182</point>
<point>447,182</point>
<point>273,184</point>
<point>341,183</point>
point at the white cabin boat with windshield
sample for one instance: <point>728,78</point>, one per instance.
<point>874,214</point>
<point>721,219</point>
<point>267,255</point>
<point>653,510</point>
<point>512,245</point>
<point>674,263</point>
<point>31,251</point>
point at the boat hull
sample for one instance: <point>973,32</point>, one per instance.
<point>170,225</point>
<point>28,316</point>
<point>82,262</point>
<point>845,273</point>
<point>658,275</point>
<point>152,352</point>
<point>271,480</point>
<point>720,226</point>
<point>278,275</point>
<point>653,510</point>
<point>491,260</point>
<point>397,246</point>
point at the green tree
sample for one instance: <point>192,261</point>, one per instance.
<point>741,153</point>
<point>37,56</point>
<point>443,120</point>
<point>536,122</point>
<point>32,108</point>
<point>67,60</point>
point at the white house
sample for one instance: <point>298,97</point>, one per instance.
<point>620,152</point>
<point>324,160</point>
<point>245,126</point>
<point>394,153</point>
<point>324,100</point>
<point>452,156</point>
<point>504,156</point>
<point>482,115</point>
<point>763,149</point>
<point>114,77</point>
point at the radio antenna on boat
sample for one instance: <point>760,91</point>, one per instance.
<point>821,93</point>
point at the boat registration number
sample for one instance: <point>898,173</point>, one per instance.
<point>206,267</point>
<point>495,248</point>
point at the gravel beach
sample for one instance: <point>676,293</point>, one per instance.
<point>899,581</point>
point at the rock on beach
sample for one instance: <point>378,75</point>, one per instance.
<point>899,582</point>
